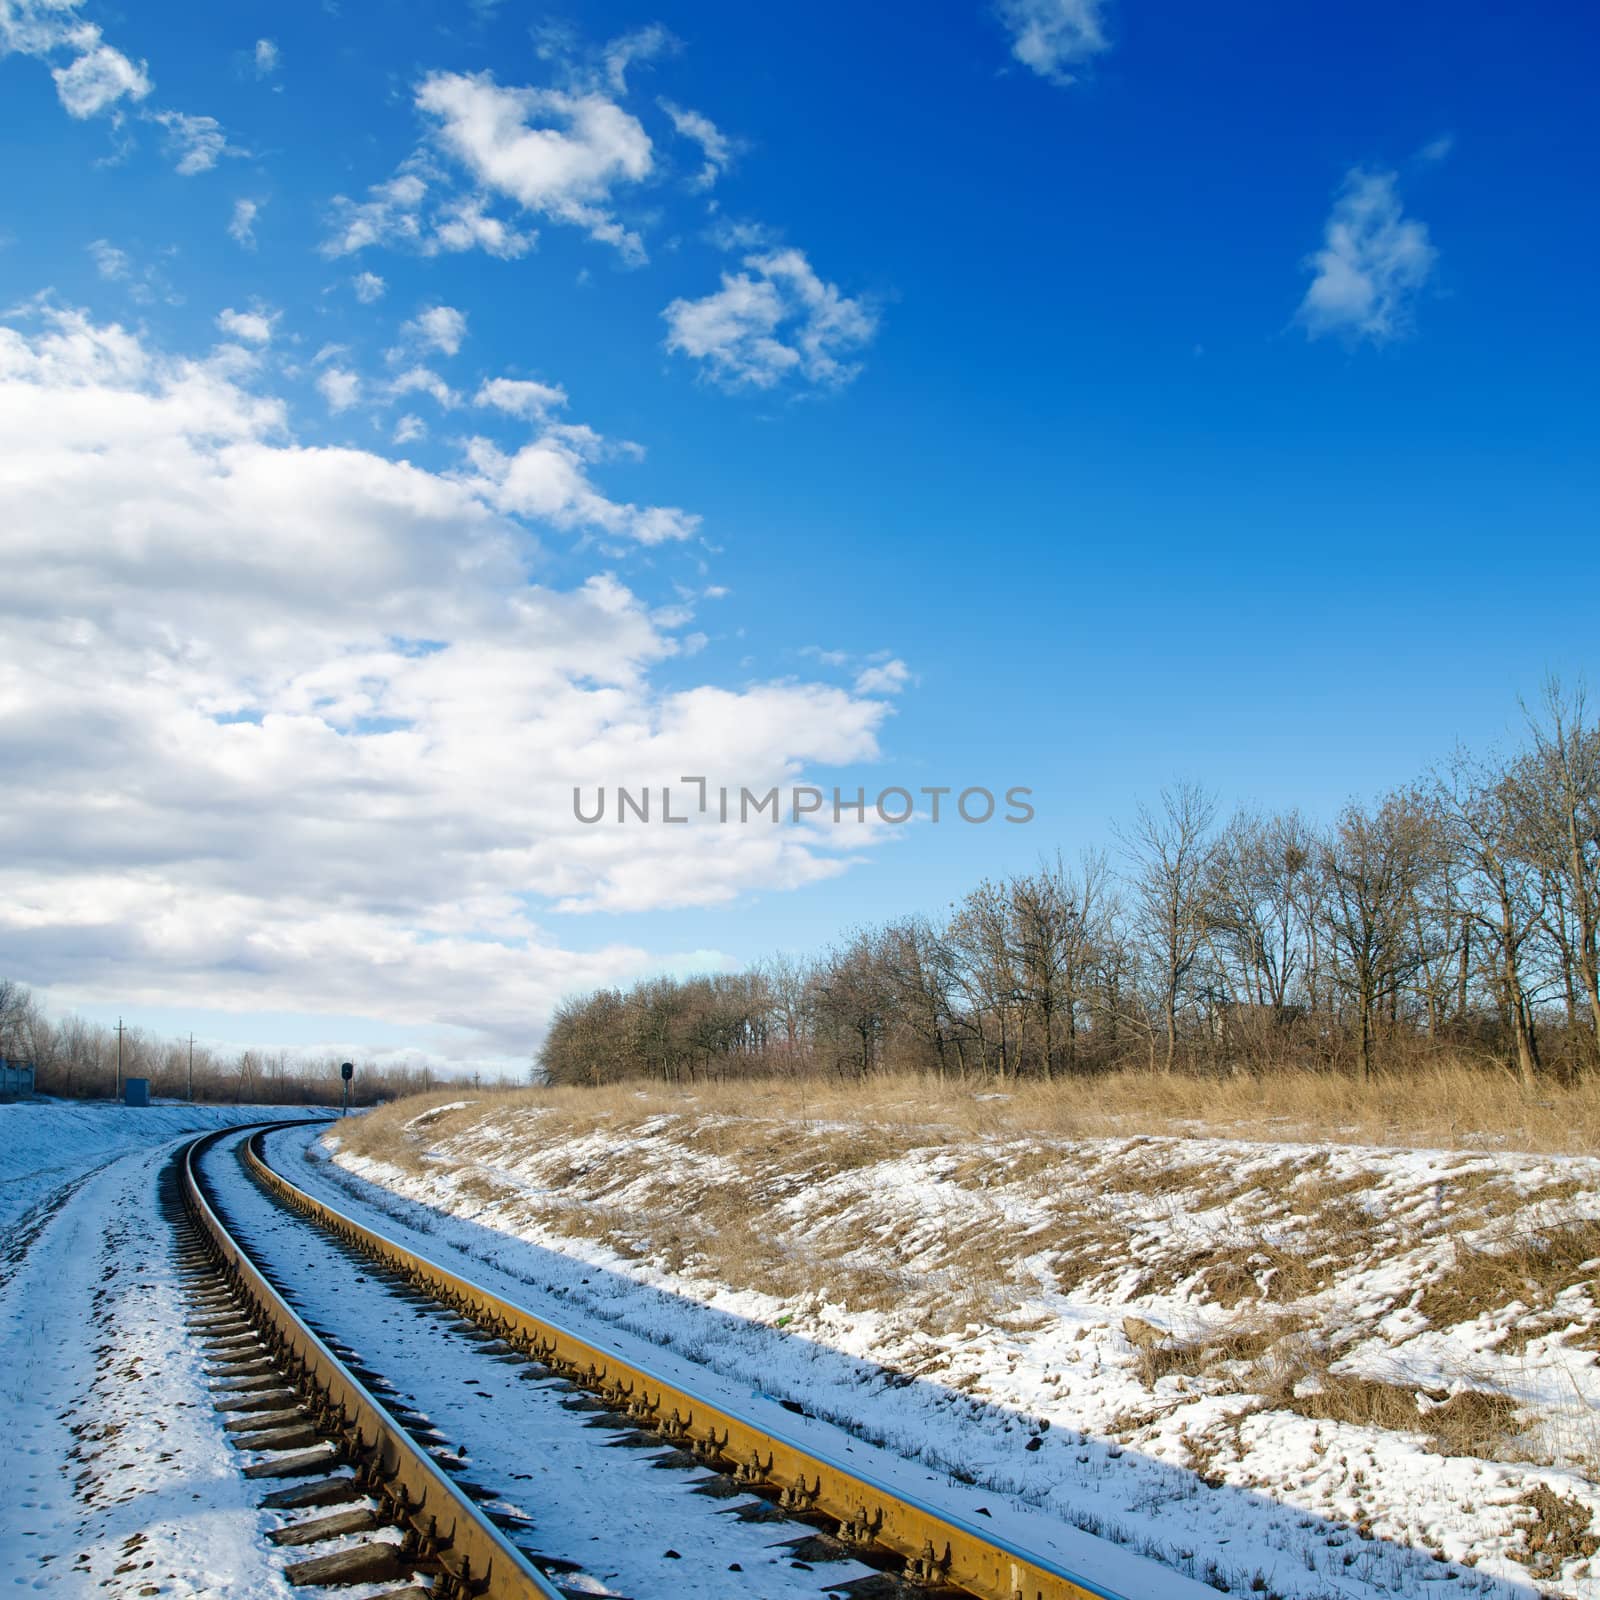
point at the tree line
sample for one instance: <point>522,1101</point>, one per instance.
<point>1458,915</point>
<point>77,1059</point>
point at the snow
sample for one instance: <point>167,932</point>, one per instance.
<point>588,1500</point>
<point>46,1145</point>
<point>1041,1400</point>
<point>119,1479</point>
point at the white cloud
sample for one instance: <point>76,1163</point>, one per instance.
<point>266,58</point>
<point>97,79</point>
<point>293,728</point>
<point>145,284</point>
<point>110,262</point>
<point>389,215</point>
<point>439,328</point>
<point>400,214</point>
<point>716,146</point>
<point>1373,263</point>
<point>1055,37</point>
<point>423,380</point>
<point>199,142</point>
<point>558,155</point>
<point>340,387</point>
<point>409,427</point>
<point>641,44</point>
<point>368,287</point>
<point>521,397</point>
<point>242,227</point>
<point>254,327</point>
<point>549,480</point>
<point>784,321</point>
<point>465,223</point>
<point>886,677</point>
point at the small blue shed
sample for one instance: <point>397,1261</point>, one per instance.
<point>136,1092</point>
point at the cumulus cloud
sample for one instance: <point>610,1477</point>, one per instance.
<point>777,320</point>
<point>242,227</point>
<point>296,728</point>
<point>883,677</point>
<point>424,380</point>
<point>639,44</point>
<point>405,212</point>
<point>198,142</point>
<point>340,387</point>
<point>549,480</point>
<point>521,397</point>
<point>110,262</point>
<point>1373,264</point>
<point>440,328</point>
<point>144,284</point>
<point>254,327</point>
<point>266,58</point>
<point>558,155</point>
<point>368,287</point>
<point>97,79</point>
<point>409,427</point>
<point>1055,38</point>
<point>715,146</point>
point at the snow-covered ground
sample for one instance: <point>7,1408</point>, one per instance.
<point>1301,1369</point>
<point>118,1479</point>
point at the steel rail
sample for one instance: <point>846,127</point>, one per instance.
<point>938,1547</point>
<point>444,1529</point>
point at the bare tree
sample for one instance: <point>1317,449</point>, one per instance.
<point>1560,784</point>
<point>1374,864</point>
<point>1487,812</point>
<point>1170,851</point>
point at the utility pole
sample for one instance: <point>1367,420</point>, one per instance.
<point>191,1069</point>
<point>117,1094</point>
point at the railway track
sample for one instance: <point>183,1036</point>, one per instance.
<point>341,1358</point>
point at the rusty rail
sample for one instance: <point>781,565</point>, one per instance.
<point>937,1547</point>
<point>445,1531</point>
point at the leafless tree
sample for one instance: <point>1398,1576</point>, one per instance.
<point>1559,782</point>
<point>1170,851</point>
<point>1374,863</point>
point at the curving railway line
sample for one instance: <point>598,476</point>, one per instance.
<point>420,1434</point>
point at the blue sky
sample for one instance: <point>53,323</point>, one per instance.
<point>1069,394</point>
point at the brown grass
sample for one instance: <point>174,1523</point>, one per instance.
<point>690,1179</point>
<point>1532,1267</point>
<point>1559,1532</point>
<point>1455,1107</point>
<point>1229,1274</point>
<point>1238,1343</point>
<point>1294,1376</point>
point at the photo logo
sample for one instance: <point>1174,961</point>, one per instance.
<point>894,804</point>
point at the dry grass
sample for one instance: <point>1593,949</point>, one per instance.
<point>1240,1343</point>
<point>1467,1423</point>
<point>1456,1107</point>
<point>1559,1532</point>
<point>1229,1274</point>
<point>772,1187</point>
<point>1531,1267</point>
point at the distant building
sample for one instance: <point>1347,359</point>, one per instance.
<point>16,1079</point>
